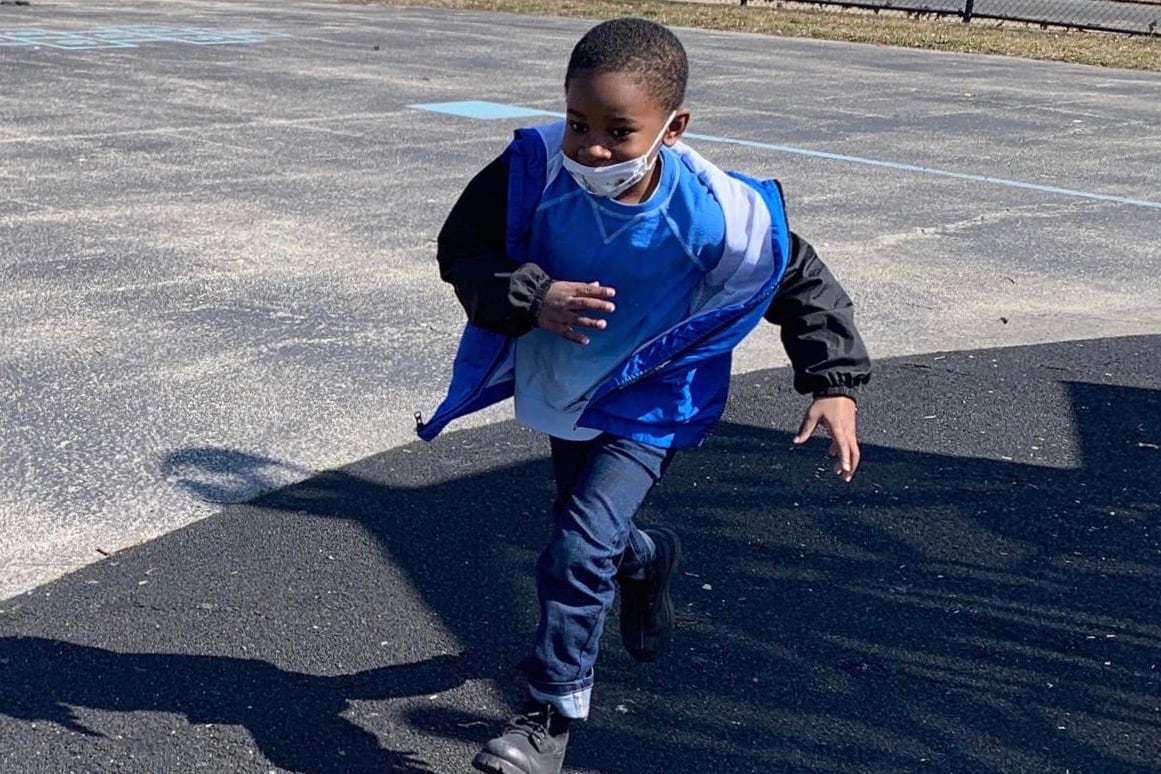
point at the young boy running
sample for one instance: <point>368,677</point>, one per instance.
<point>608,271</point>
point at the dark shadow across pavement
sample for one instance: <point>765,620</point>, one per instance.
<point>983,598</point>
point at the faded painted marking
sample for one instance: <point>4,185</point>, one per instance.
<point>131,37</point>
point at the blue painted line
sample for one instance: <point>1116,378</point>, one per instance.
<point>498,110</point>
<point>478,109</point>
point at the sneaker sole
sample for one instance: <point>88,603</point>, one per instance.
<point>663,591</point>
<point>493,765</point>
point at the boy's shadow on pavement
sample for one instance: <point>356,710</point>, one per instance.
<point>295,719</point>
<point>951,610</point>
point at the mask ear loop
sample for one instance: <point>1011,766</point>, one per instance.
<point>656,148</point>
<point>654,151</point>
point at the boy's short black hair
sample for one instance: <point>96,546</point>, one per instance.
<point>639,47</point>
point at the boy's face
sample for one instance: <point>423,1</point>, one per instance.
<point>612,118</point>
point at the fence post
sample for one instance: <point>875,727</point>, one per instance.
<point>967,10</point>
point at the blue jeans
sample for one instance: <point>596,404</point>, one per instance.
<point>600,484</point>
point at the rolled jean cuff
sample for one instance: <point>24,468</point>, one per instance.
<point>569,699</point>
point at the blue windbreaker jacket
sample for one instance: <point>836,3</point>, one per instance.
<point>672,389</point>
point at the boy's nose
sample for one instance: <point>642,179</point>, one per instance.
<point>597,153</point>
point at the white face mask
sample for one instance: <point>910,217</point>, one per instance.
<point>612,180</point>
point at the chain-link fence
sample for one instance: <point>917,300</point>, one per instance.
<point>1138,17</point>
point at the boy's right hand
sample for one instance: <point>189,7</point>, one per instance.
<point>566,306</point>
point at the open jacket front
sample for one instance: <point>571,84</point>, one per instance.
<point>696,351</point>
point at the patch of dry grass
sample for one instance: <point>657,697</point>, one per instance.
<point>891,29</point>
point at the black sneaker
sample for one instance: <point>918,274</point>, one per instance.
<point>533,742</point>
<point>646,606</point>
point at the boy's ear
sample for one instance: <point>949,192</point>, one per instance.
<point>677,126</point>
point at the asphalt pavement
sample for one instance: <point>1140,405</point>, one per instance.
<point>984,597</point>
<point>223,550</point>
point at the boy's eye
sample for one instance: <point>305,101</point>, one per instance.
<point>577,127</point>
<point>621,132</point>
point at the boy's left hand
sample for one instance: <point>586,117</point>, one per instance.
<point>837,415</point>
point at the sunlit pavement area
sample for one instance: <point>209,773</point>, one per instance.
<point>224,551</point>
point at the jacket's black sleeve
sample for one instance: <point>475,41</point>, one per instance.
<point>496,293</point>
<point>817,320</point>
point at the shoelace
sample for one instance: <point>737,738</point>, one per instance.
<point>528,725</point>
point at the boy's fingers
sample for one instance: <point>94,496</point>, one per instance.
<point>843,466</point>
<point>851,436</point>
<point>809,422</point>
<point>577,303</point>
<point>573,336</point>
<point>849,460</point>
<point>595,290</point>
<point>589,322</point>
<point>844,443</point>
<point>564,329</point>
